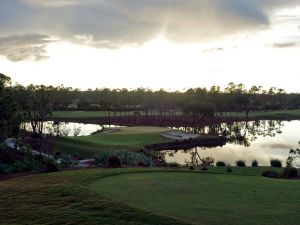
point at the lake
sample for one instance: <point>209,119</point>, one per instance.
<point>68,128</point>
<point>255,140</point>
<point>261,141</point>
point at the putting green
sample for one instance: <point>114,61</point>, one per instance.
<point>206,198</point>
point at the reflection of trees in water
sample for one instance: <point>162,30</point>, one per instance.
<point>241,133</point>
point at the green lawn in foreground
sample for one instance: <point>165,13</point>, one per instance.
<point>131,138</point>
<point>207,199</point>
<point>149,196</point>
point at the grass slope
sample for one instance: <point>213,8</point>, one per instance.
<point>149,196</point>
<point>129,138</point>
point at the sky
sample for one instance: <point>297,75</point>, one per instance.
<point>170,44</point>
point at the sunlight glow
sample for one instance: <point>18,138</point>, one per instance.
<point>247,58</point>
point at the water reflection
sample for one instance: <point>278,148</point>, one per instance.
<point>67,129</point>
<point>255,140</point>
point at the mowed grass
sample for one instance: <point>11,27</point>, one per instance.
<point>94,114</point>
<point>129,138</point>
<point>276,114</point>
<point>207,198</point>
<point>150,196</point>
<point>64,198</point>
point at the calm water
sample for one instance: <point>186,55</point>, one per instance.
<point>67,129</point>
<point>261,141</point>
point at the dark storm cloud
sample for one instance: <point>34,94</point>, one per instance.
<point>24,47</point>
<point>114,23</point>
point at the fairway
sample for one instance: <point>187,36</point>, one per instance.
<point>127,138</point>
<point>150,196</point>
<point>207,198</point>
<point>274,114</point>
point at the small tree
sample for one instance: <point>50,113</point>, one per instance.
<point>9,118</point>
<point>76,131</point>
<point>293,158</point>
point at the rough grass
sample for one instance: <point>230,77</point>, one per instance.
<point>129,138</point>
<point>149,196</point>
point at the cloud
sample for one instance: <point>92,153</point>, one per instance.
<point>24,47</point>
<point>51,3</point>
<point>284,45</point>
<point>116,23</point>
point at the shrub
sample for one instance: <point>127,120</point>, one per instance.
<point>290,172</point>
<point>101,158</point>
<point>270,174</point>
<point>126,157</point>
<point>220,164</point>
<point>276,163</point>
<point>114,162</point>
<point>228,169</point>
<point>240,163</point>
<point>67,162</point>
<point>254,163</point>
<point>6,169</point>
<point>50,166</point>
<point>173,164</point>
<point>191,168</point>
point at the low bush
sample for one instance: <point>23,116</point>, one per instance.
<point>173,164</point>
<point>220,164</point>
<point>276,163</point>
<point>126,157</point>
<point>290,172</point>
<point>114,162</point>
<point>228,169</point>
<point>254,163</point>
<point>50,166</point>
<point>67,162</point>
<point>240,163</point>
<point>6,169</point>
<point>271,174</point>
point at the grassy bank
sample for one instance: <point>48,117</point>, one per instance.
<point>93,114</point>
<point>276,114</point>
<point>135,196</point>
<point>129,138</point>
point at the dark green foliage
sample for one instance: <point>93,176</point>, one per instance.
<point>127,158</point>
<point>290,172</point>
<point>228,169</point>
<point>191,168</point>
<point>50,166</point>
<point>173,164</point>
<point>271,174</point>
<point>19,166</point>
<point>240,163</point>
<point>276,163</point>
<point>220,164</point>
<point>67,162</point>
<point>9,121</point>
<point>114,162</point>
<point>254,163</point>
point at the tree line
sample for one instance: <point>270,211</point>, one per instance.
<point>34,103</point>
